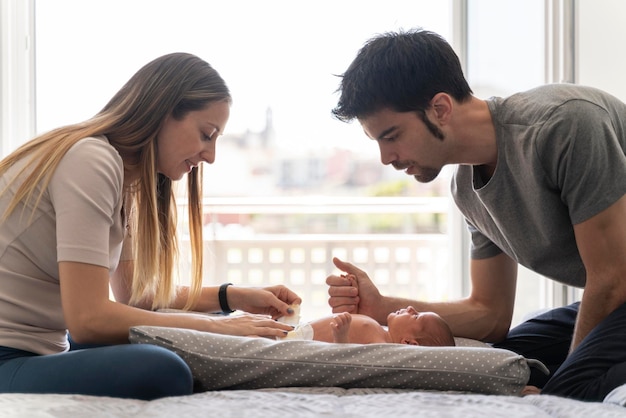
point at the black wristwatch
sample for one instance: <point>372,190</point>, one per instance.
<point>221,294</point>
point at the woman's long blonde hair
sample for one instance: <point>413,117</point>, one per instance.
<point>174,84</point>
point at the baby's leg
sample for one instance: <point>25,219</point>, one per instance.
<point>340,325</point>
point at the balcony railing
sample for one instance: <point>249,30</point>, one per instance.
<point>405,263</point>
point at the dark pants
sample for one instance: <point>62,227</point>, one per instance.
<point>139,371</point>
<point>592,371</point>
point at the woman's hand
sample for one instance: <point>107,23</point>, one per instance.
<point>273,301</point>
<point>352,292</point>
<point>248,325</point>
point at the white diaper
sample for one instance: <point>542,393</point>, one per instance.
<point>293,319</point>
<point>301,332</point>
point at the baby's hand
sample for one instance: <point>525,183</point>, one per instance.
<point>340,325</point>
<point>352,278</point>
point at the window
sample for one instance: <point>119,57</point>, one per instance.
<point>600,30</point>
<point>504,57</point>
<point>280,58</point>
<point>16,74</point>
<point>291,187</point>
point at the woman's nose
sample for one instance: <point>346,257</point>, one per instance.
<point>208,155</point>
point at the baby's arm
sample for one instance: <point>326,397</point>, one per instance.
<point>340,325</point>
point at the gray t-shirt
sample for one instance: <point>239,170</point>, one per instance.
<point>78,219</point>
<point>561,160</point>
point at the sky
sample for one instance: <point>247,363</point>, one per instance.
<point>281,54</point>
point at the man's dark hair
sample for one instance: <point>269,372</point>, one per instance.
<point>401,71</point>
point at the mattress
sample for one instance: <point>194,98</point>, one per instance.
<point>312,402</point>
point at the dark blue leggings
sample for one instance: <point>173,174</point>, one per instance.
<point>139,371</point>
<point>592,371</point>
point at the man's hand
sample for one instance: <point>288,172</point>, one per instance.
<point>352,292</point>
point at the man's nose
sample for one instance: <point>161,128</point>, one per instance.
<point>386,155</point>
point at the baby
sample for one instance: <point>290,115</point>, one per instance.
<point>406,326</point>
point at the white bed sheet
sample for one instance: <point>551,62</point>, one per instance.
<point>308,402</point>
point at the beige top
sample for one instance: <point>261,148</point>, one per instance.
<point>78,219</point>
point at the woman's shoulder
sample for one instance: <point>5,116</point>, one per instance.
<point>91,157</point>
<point>95,144</point>
<point>94,151</point>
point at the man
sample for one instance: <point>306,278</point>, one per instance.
<point>540,180</point>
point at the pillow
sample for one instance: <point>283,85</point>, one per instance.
<point>230,362</point>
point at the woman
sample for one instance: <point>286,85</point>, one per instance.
<point>91,205</point>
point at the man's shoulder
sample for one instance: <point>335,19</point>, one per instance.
<point>540,104</point>
<point>555,95</point>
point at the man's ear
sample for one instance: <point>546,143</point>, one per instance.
<point>442,104</point>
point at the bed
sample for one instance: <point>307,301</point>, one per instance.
<point>256,377</point>
<point>311,402</point>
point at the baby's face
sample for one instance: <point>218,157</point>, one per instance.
<point>419,325</point>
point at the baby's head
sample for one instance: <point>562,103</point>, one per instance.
<point>408,326</point>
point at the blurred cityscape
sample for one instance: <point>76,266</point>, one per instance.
<point>250,164</point>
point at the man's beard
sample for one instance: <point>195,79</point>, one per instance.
<point>427,175</point>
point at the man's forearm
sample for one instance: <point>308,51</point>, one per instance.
<point>594,308</point>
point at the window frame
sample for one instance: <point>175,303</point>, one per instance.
<point>17,73</point>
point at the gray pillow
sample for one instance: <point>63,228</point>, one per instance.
<point>228,362</point>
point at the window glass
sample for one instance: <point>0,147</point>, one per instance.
<point>290,185</point>
<point>506,54</point>
<point>600,30</point>
<point>505,46</point>
<point>280,58</point>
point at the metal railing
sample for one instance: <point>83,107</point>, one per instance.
<point>402,264</point>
